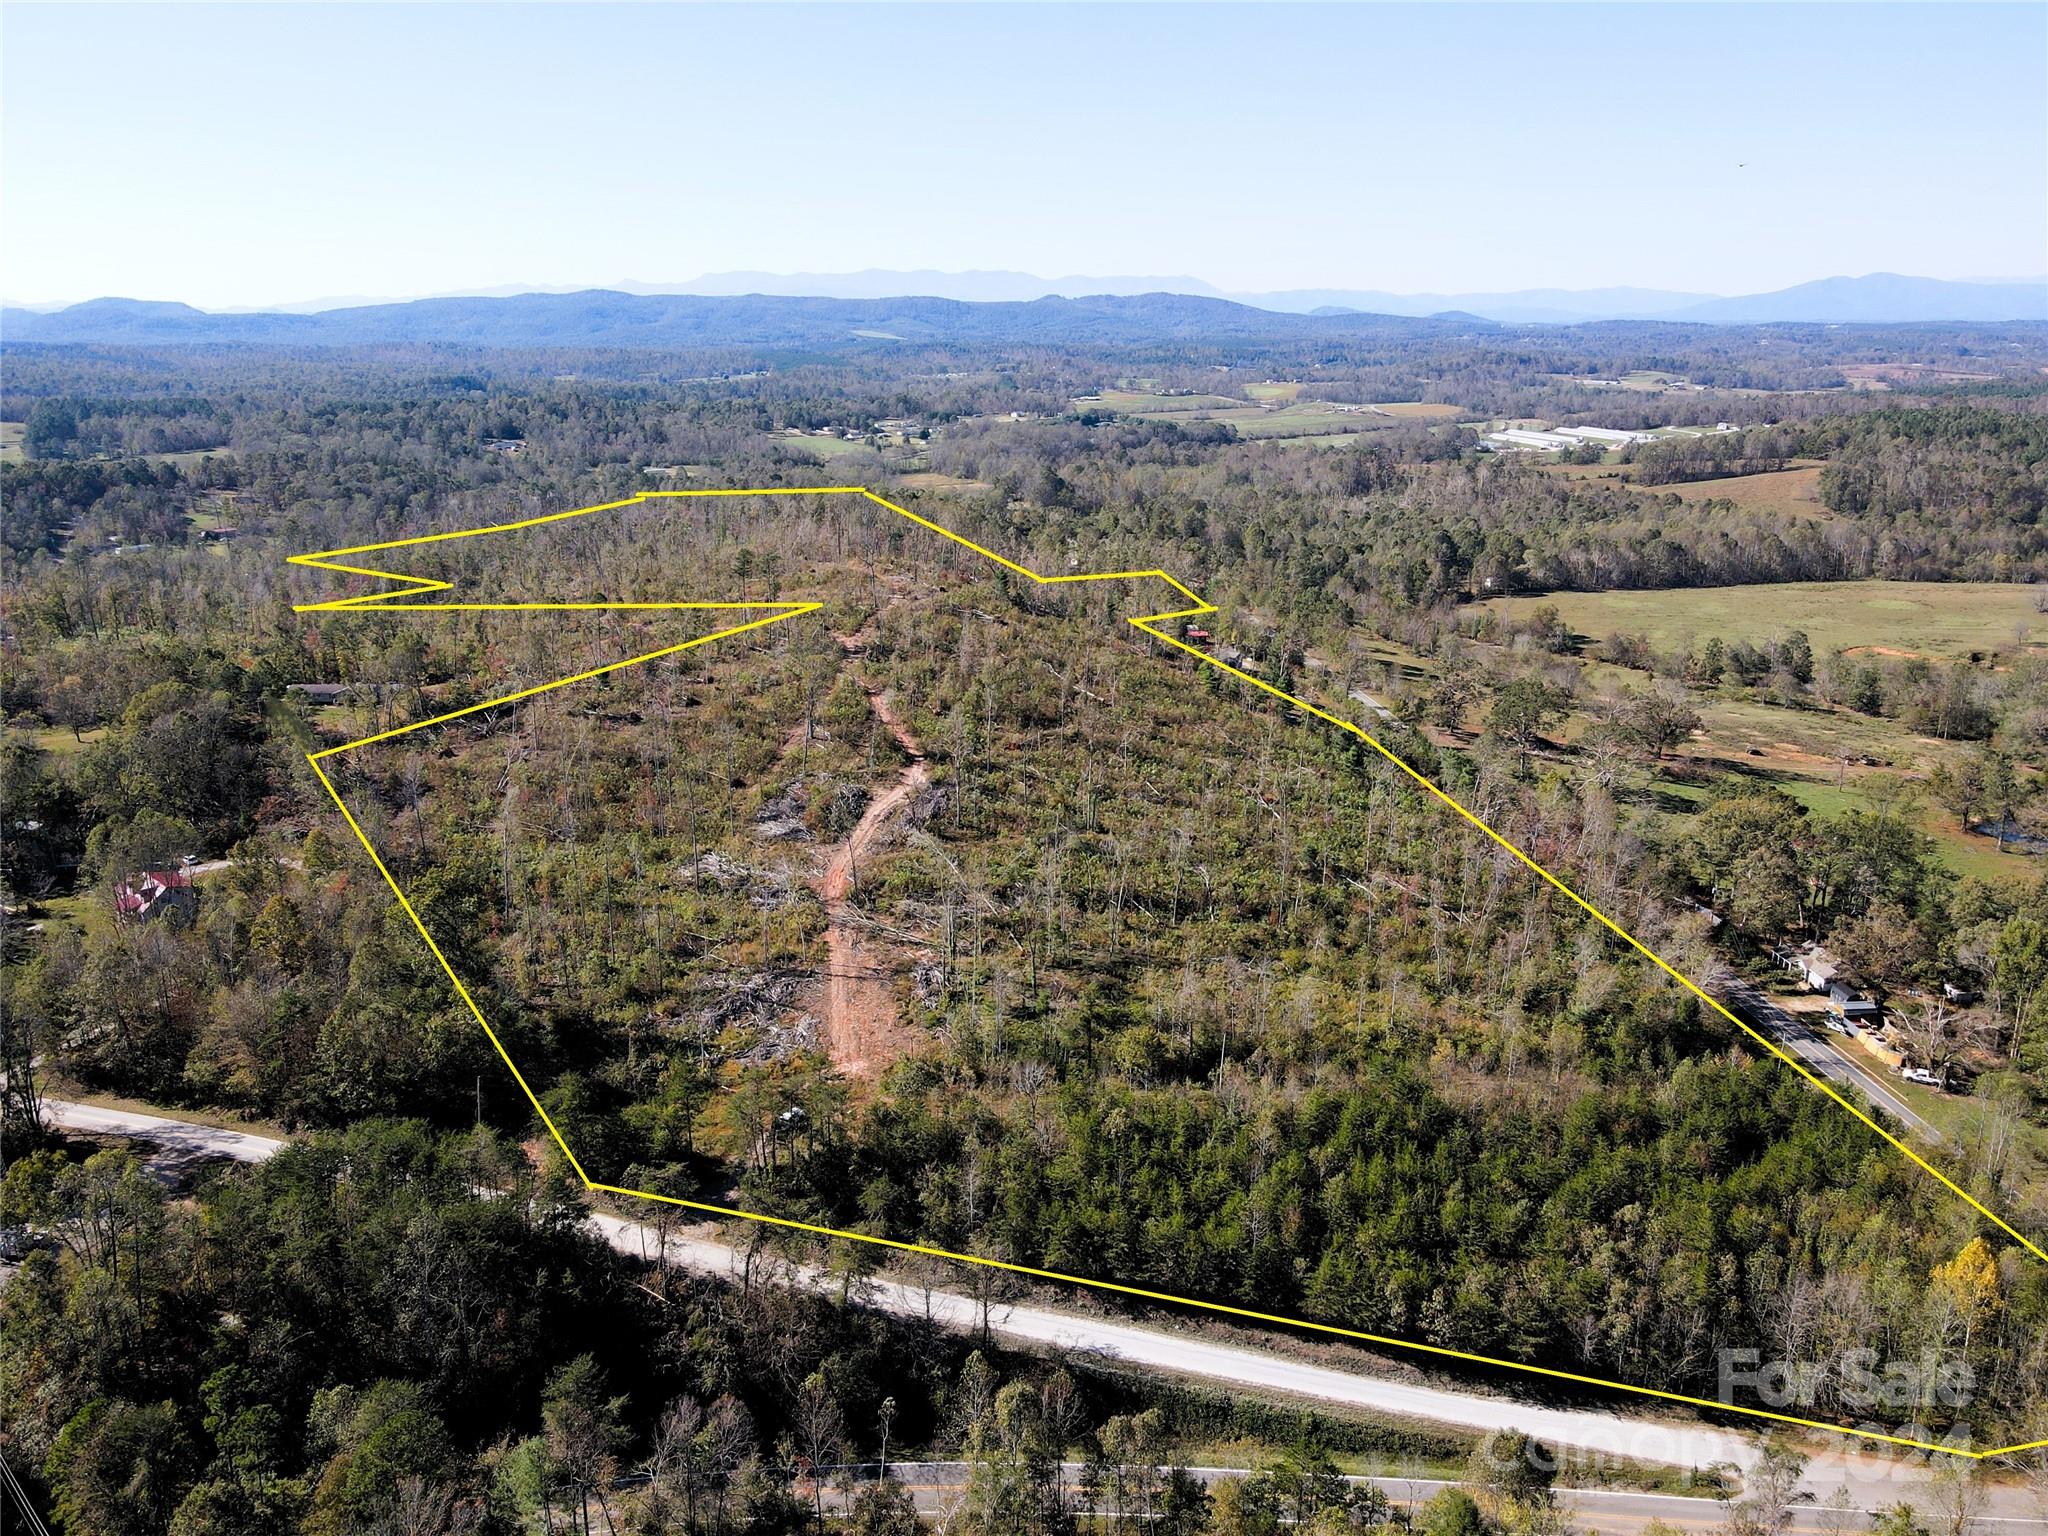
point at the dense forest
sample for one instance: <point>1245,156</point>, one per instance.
<point>961,913</point>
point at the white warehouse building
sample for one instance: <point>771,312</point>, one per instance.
<point>1522,437</point>
<point>1611,435</point>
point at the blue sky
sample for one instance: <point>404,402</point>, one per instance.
<point>247,154</point>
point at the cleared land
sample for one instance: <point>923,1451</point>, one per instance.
<point>1418,410</point>
<point>832,447</point>
<point>1784,492</point>
<point>1943,620</point>
<point>1297,419</point>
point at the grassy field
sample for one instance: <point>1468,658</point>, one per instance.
<point>1418,410</point>
<point>1943,620</point>
<point>1793,492</point>
<point>11,434</point>
<point>1798,751</point>
<point>1316,418</point>
<point>932,480</point>
<point>58,740</point>
<point>1308,418</point>
<point>1136,403</point>
<point>216,512</point>
<point>1964,852</point>
<point>1784,493</point>
<point>82,910</point>
<point>186,460</point>
<point>827,448</point>
<point>1815,754</point>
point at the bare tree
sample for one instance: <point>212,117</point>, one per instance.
<point>820,1432</point>
<point>1957,1494</point>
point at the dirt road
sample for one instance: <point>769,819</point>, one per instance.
<point>1872,1480</point>
<point>863,1027</point>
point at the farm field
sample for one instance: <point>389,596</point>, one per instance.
<point>1309,418</point>
<point>189,459</point>
<point>1140,403</point>
<point>1418,410</point>
<point>1303,419</point>
<point>1785,492</point>
<point>826,448</point>
<point>1613,474</point>
<point>1790,493</point>
<point>1815,755</point>
<point>933,480</point>
<point>1940,620</point>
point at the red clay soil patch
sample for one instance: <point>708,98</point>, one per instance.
<point>864,1029</point>
<point>1886,650</point>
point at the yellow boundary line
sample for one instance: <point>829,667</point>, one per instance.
<point>418,586</point>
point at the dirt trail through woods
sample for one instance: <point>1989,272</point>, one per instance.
<point>863,1029</point>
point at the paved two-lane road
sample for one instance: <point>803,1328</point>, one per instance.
<point>1821,1055</point>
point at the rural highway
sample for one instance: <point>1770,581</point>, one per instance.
<point>1820,1053</point>
<point>1873,1481</point>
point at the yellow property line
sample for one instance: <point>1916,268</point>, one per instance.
<point>775,612</point>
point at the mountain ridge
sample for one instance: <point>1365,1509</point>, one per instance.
<point>1875,298</point>
<point>608,318</point>
<point>602,317</point>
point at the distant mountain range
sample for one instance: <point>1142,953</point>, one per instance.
<point>1882,298</point>
<point>748,310</point>
<point>601,318</point>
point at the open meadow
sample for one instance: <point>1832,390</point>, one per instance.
<point>1944,621</point>
<point>1276,412</point>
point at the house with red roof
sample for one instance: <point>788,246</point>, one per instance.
<point>146,897</point>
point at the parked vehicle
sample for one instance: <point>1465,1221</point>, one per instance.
<point>1922,1076</point>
